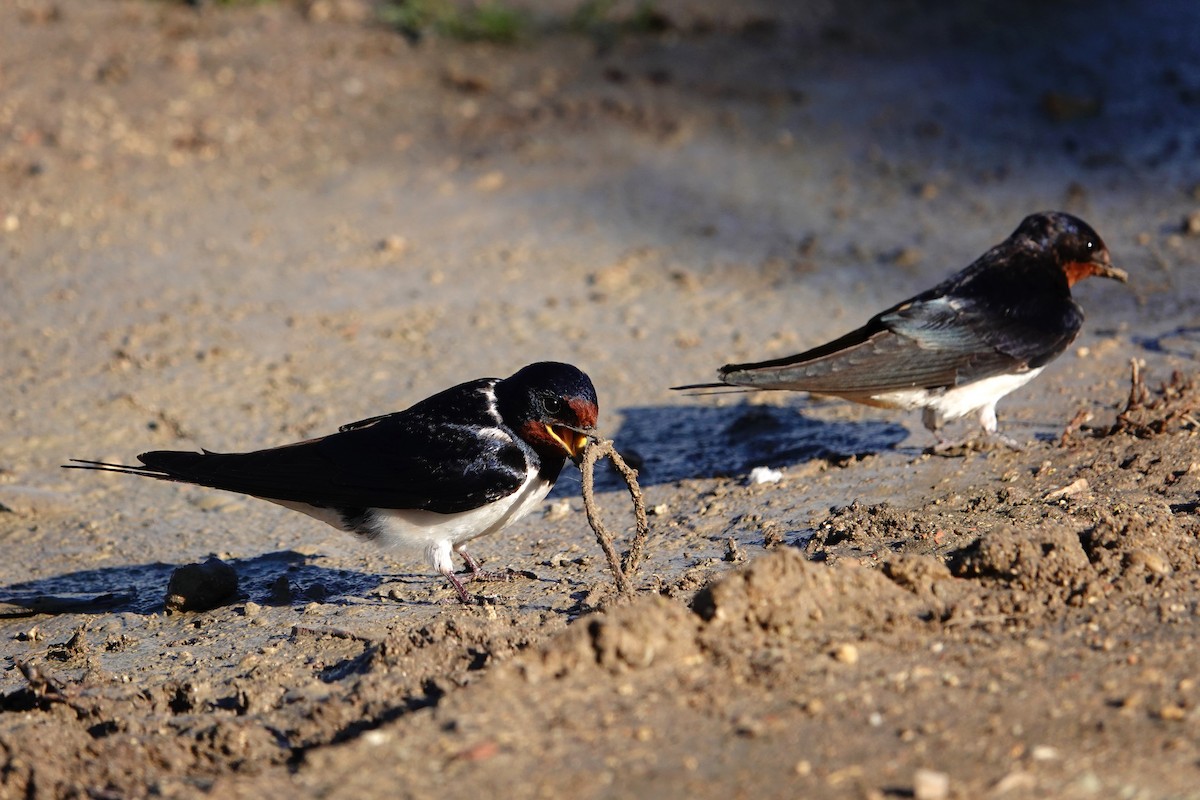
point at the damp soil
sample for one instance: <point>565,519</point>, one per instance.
<point>233,226</point>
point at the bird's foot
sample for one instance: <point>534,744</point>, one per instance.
<point>1007,441</point>
<point>961,447</point>
<point>463,596</point>
<point>478,573</point>
<point>492,575</point>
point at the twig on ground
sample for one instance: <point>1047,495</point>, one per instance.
<point>1082,417</point>
<point>622,568</point>
<point>1148,414</point>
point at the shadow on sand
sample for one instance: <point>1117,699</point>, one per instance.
<point>675,443</point>
<point>142,588</point>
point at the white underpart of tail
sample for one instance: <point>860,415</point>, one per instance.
<point>979,396</point>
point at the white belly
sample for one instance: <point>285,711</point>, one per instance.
<point>436,536</point>
<point>958,401</point>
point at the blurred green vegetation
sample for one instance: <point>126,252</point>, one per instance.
<point>505,23</point>
<point>488,21</point>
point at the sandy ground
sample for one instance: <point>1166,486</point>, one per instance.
<point>236,227</point>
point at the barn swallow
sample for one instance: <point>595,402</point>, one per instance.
<point>959,347</point>
<point>461,464</point>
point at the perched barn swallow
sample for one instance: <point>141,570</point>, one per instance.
<point>959,347</point>
<point>461,464</point>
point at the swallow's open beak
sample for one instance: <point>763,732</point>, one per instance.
<point>1107,270</point>
<point>1098,265</point>
<point>573,440</point>
<point>1102,267</point>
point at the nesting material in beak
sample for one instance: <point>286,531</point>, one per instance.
<point>572,441</point>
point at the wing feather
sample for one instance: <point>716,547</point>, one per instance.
<point>445,454</point>
<point>927,342</point>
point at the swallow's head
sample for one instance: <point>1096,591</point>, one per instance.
<point>1076,247</point>
<point>551,406</point>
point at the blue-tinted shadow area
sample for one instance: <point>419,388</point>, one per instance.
<point>1183,341</point>
<point>280,578</point>
<point>673,443</point>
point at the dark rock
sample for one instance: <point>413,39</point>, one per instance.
<point>200,587</point>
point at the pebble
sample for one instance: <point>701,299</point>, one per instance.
<point>1172,713</point>
<point>393,245</point>
<point>1070,490</point>
<point>1148,560</point>
<point>1044,752</point>
<point>845,653</point>
<point>200,587</point>
<point>1191,224</point>
<point>930,784</point>
<point>560,509</point>
<point>764,475</point>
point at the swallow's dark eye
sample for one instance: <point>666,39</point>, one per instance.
<point>1091,246</point>
<point>553,405</point>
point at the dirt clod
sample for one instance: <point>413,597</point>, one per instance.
<point>202,587</point>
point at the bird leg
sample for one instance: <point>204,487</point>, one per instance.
<point>933,423</point>
<point>987,419</point>
<point>1007,441</point>
<point>478,573</point>
<point>458,587</point>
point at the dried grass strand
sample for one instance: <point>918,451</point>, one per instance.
<point>622,568</point>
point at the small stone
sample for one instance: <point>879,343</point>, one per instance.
<point>845,653</point>
<point>1044,752</point>
<point>930,784</point>
<point>764,475</point>
<point>393,245</point>
<point>1072,489</point>
<point>733,553</point>
<point>1172,713</point>
<point>560,509</point>
<point>200,587</point>
<point>1191,224</point>
<point>251,609</point>
<point>1147,560</point>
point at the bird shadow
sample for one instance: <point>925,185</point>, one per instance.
<point>280,578</point>
<point>673,443</point>
<point>1183,341</point>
